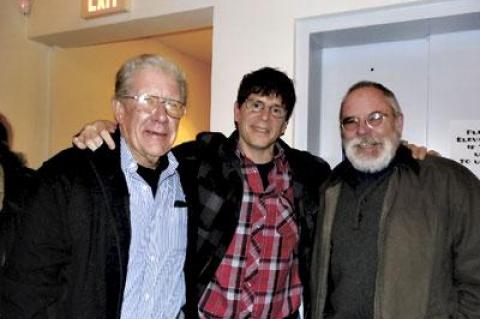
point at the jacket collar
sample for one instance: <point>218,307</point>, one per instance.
<point>106,164</point>
<point>106,159</point>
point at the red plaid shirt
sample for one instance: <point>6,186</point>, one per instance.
<point>258,276</point>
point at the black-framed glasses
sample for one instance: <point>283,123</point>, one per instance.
<point>352,123</point>
<point>257,106</point>
<point>149,103</point>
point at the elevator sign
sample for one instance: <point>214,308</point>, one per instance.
<point>98,8</point>
<point>465,144</point>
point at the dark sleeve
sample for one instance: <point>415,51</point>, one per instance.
<point>465,207</point>
<point>34,275</point>
<point>18,181</point>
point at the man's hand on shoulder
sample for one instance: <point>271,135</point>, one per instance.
<point>92,135</point>
<point>419,152</point>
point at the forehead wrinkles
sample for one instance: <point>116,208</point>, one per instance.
<point>365,101</point>
<point>153,79</point>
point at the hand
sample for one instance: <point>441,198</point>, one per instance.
<point>94,134</point>
<point>419,152</point>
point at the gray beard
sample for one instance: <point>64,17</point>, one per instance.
<point>368,164</point>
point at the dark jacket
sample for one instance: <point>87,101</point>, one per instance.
<point>428,244</point>
<point>72,259</point>
<point>17,181</point>
<point>214,195</point>
<point>81,205</point>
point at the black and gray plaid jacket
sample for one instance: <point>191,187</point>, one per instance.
<point>212,181</point>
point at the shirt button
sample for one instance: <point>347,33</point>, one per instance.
<point>152,258</point>
<point>147,297</point>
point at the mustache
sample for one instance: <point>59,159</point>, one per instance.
<point>365,141</point>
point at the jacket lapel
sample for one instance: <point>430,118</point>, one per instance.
<point>322,239</point>
<point>112,189</point>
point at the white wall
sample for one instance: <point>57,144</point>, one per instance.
<point>454,85</point>
<point>426,53</point>
<point>402,66</point>
<point>247,34</point>
<point>436,80</point>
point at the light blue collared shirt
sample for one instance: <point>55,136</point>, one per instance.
<point>155,287</point>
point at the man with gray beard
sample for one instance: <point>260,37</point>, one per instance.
<point>399,238</point>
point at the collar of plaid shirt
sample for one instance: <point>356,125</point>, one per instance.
<point>258,276</point>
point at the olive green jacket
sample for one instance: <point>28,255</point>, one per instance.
<point>428,244</point>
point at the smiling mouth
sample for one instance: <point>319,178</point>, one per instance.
<point>367,145</point>
<point>260,129</point>
<point>155,133</point>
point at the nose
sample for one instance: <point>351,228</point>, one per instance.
<point>265,113</point>
<point>160,113</point>
<point>363,128</point>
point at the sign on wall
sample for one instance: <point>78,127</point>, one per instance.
<point>465,144</point>
<point>99,8</point>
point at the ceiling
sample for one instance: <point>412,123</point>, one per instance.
<point>195,43</point>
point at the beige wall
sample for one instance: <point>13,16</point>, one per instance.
<point>23,84</point>
<point>82,83</point>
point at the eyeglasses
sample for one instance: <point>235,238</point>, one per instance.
<point>257,106</point>
<point>352,123</point>
<point>150,103</point>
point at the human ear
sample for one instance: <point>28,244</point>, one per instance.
<point>118,110</point>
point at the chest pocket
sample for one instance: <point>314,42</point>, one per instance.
<point>178,222</point>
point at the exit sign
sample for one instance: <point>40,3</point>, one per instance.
<point>98,8</point>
